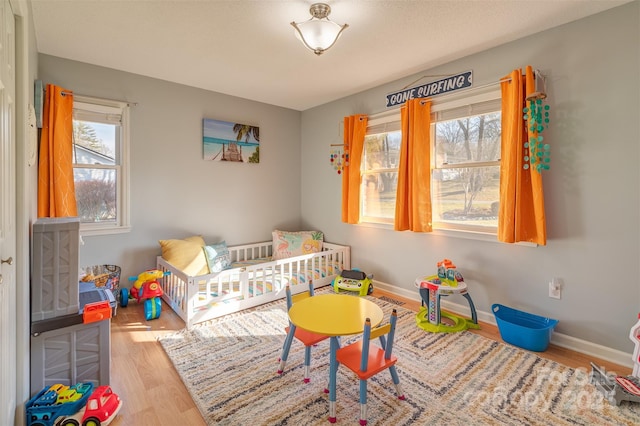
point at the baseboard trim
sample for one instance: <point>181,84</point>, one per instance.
<point>564,341</point>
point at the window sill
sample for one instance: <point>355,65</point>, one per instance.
<point>90,231</point>
<point>452,233</point>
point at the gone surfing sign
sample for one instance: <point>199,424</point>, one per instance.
<point>449,84</point>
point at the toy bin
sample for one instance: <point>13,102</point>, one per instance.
<point>104,276</point>
<point>107,276</point>
<point>528,331</point>
<point>54,267</point>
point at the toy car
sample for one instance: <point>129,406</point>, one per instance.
<point>102,407</point>
<point>46,415</point>
<point>50,396</point>
<point>83,388</point>
<point>68,395</point>
<point>353,280</point>
<point>73,393</point>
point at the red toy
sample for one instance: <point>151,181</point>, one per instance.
<point>146,287</point>
<point>102,407</point>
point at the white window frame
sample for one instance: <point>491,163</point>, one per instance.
<point>488,100</point>
<point>385,122</point>
<point>391,119</point>
<point>109,111</point>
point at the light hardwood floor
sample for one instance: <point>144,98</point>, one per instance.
<point>153,394</point>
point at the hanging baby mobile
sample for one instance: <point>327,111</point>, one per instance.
<point>339,159</point>
<point>537,153</point>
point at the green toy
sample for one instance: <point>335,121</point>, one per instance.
<point>448,281</point>
<point>353,280</point>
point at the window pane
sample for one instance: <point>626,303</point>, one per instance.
<point>379,195</point>
<point>382,151</point>
<point>380,176</point>
<point>465,138</point>
<point>468,139</point>
<point>466,196</point>
<point>101,156</point>
<point>94,143</point>
<point>96,194</point>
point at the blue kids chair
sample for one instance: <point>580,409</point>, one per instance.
<point>366,360</point>
<point>307,338</point>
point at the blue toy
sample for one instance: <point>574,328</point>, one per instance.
<point>42,410</point>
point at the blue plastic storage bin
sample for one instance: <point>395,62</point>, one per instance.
<point>528,331</point>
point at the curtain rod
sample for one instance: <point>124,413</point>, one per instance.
<point>426,76</point>
<point>111,100</point>
<point>68,92</point>
<point>537,72</point>
<point>390,110</point>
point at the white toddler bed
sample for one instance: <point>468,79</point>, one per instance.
<point>254,279</point>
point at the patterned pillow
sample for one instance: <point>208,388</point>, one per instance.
<point>218,257</point>
<point>186,255</point>
<point>288,244</point>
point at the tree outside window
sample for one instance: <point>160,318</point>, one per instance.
<point>100,164</point>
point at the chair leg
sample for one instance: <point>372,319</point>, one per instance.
<point>307,363</point>
<point>286,347</point>
<point>396,382</point>
<point>363,402</point>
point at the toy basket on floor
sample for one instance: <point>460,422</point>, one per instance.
<point>105,276</point>
<point>523,329</point>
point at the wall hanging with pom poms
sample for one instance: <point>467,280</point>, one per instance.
<point>537,152</point>
<point>339,158</point>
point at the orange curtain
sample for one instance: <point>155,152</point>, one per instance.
<point>355,129</point>
<point>56,190</point>
<point>521,216</point>
<point>413,196</point>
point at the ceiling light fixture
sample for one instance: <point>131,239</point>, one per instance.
<point>318,33</point>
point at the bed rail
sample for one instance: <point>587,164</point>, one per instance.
<point>256,279</point>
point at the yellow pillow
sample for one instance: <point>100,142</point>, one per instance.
<point>186,255</point>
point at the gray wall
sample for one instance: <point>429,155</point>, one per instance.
<point>174,192</point>
<point>591,191</point>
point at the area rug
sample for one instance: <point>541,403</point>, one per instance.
<point>229,367</point>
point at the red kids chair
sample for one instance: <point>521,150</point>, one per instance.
<point>366,360</point>
<point>307,338</point>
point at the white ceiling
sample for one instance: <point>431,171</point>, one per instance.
<point>248,49</point>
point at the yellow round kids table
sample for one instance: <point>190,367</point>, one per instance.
<point>334,315</point>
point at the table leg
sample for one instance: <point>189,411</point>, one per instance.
<point>333,370</point>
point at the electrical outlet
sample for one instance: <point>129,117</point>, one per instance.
<point>555,288</point>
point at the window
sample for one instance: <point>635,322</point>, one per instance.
<point>465,163</point>
<point>380,158</point>
<point>100,164</point>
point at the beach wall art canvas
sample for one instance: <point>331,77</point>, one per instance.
<point>225,141</point>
